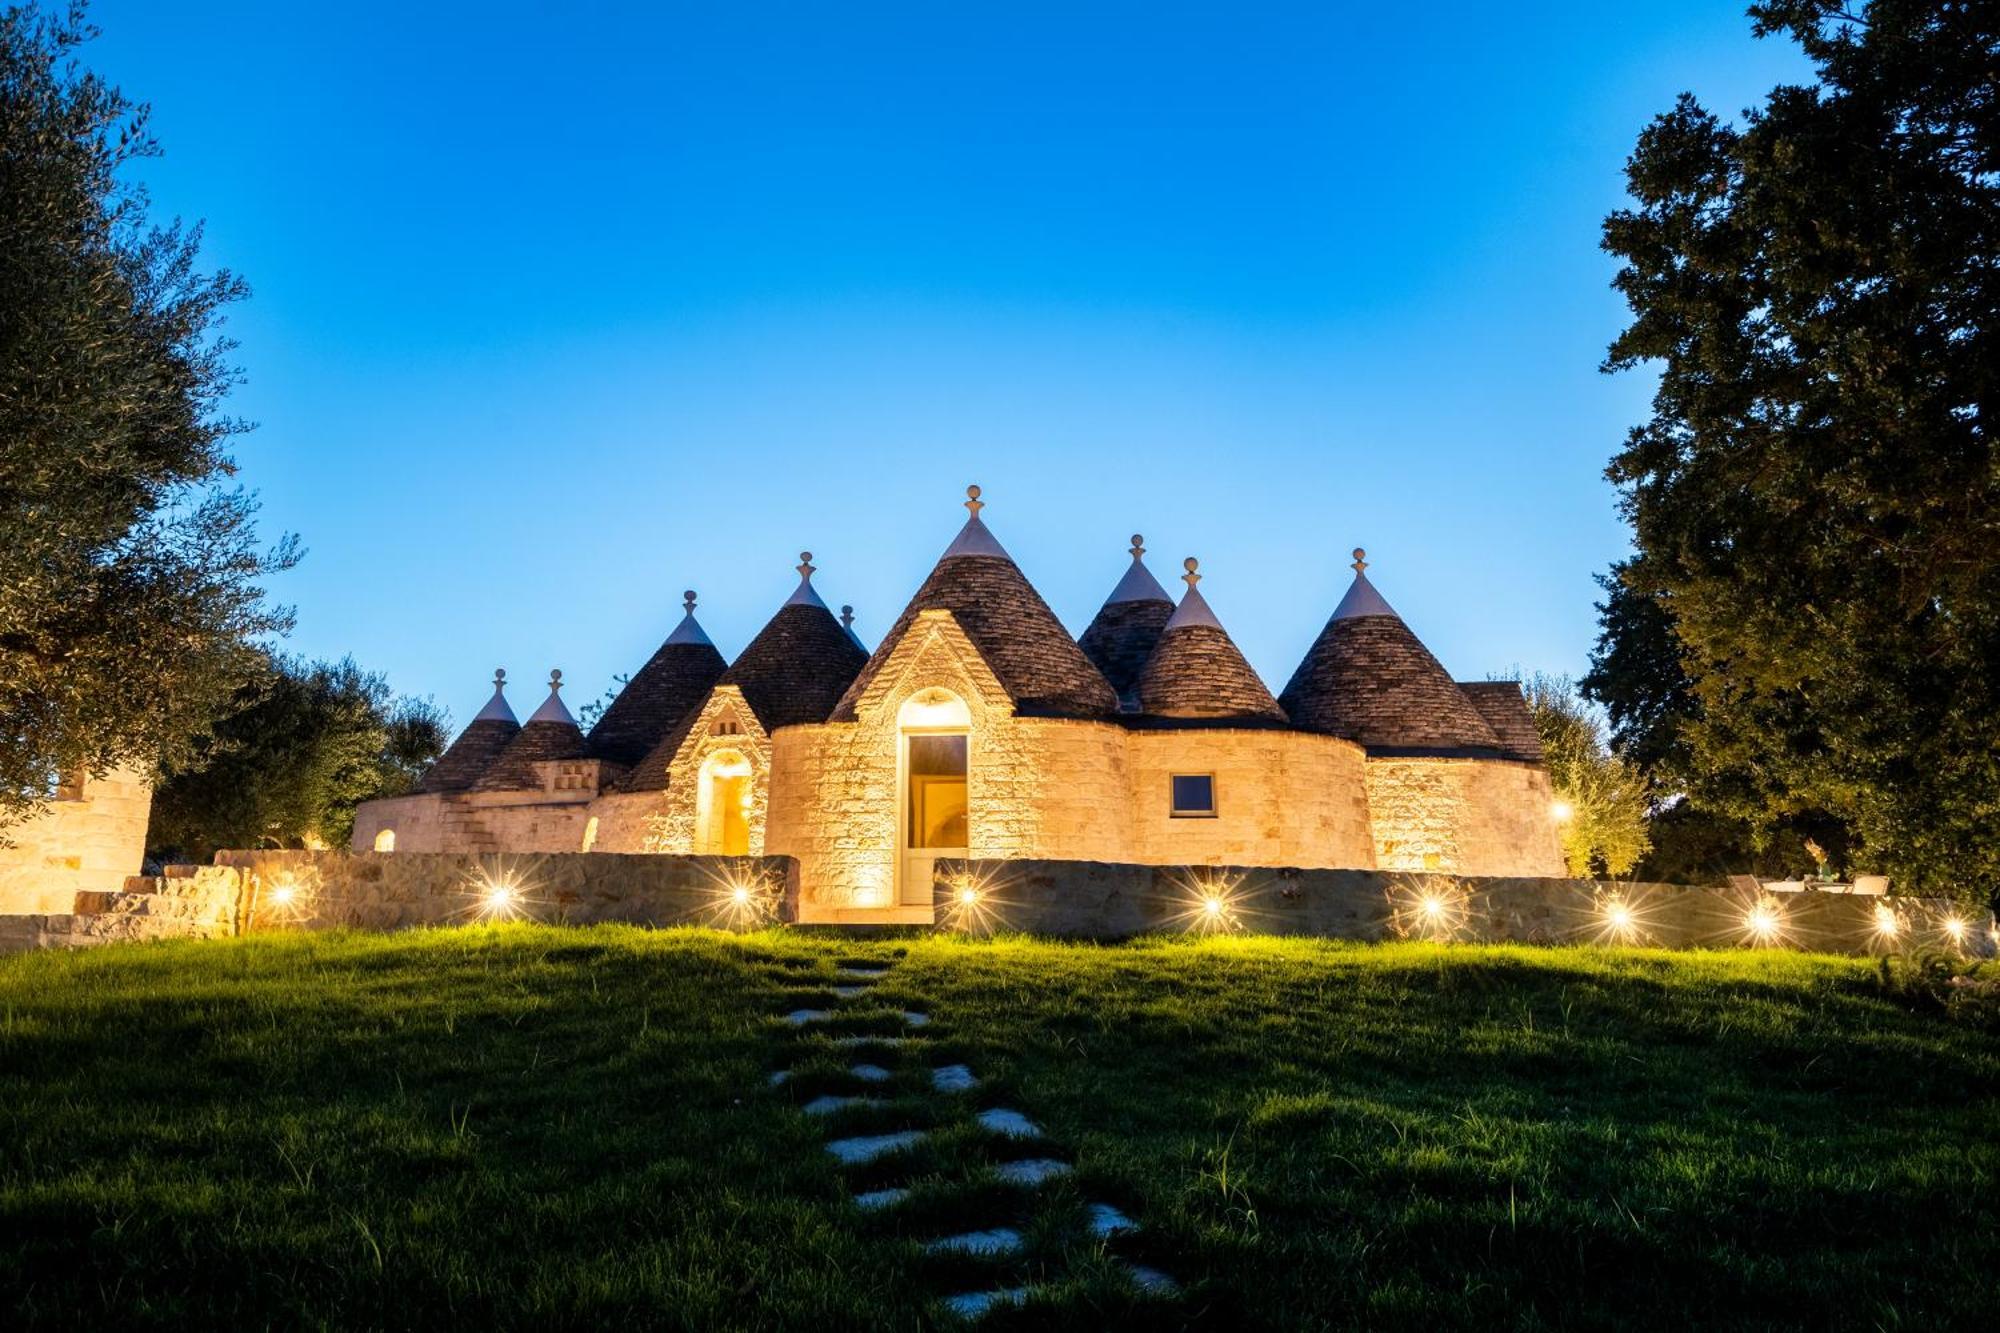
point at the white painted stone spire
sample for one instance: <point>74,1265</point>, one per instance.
<point>1193,609</point>
<point>1361,599</point>
<point>974,538</point>
<point>1138,585</point>
<point>496,709</point>
<point>689,630</point>
<point>805,596</point>
<point>552,709</point>
<point>847,623</point>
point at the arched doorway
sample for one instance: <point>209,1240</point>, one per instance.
<point>934,728</point>
<point>722,805</point>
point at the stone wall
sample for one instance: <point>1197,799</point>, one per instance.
<point>476,822</point>
<point>1281,797</point>
<point>92,842</point>
<point>1463,816</point>
<point>289,890</point>
<point>1101,901</point>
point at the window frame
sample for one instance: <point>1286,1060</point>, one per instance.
<point>1174,808</point>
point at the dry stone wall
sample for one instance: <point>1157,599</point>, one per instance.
<point>1094,900</point>
<point>319,890</point>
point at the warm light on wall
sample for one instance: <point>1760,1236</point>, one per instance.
<point>1765,922</point>
<point>1886,923</point>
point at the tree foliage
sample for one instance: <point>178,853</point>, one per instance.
<point>129,576</point>
<point>287,767</point>
<point>1604,828</point>
<point>1811,626</point>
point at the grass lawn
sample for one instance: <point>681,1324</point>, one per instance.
<point>532,1127</point>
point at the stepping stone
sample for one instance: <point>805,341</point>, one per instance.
<point>779,1076</point>
<point>1031,1170</point>
<point>1002,1120</point>
<point>849,992</point>
<point>872,971</point>
<point>997,1243</point>
<point>874,1201</point>
<point>1151,1281</point>
<point>953,1078</point>
<point>828,1105</point>
<point>871,1073</point>
<point>868,1147</point>
<point>1106,1222</point>
<point>973,1304</point>
<point>872,1041</point>
<point>798,1018</point>
<point>916,1020</point>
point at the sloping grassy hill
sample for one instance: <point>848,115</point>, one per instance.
<point>538,1127</point>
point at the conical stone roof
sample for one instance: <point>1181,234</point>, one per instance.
<point>468,757</point>
<point>1127,627</point>
<point>550,733</point>
<point>1369,679</point>
<point>1197,670</point>
<point>673,683</point>
<point>1022,641</point>
<point>793,671</point>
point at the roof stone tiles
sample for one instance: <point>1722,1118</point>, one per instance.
<point>1027,648</point>
<point>1369,679</point>
<point>475,749</point>
<point>1127,627</point>
<point>673,682</point>
<point>1506,711</point>
<point>550,734</point>
<point>1197,670</point>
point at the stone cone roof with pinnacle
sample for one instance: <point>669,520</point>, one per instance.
<point>550,733</point>
<point>672,684</point>
<point>1127,627</point>
<point>1369,679</point>
<point>1198,672</point>
<point>468,757</point>
<point>794,671</point>
<point>1023,643</point>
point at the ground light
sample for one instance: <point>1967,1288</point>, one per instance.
<point>972,905</point>
<point>1886,924</point>
<point>1954,929</point>
<point>1430,909</point>
<point>1212,903</point>
<point>742,901</point>
<point>1765,922</point>
<point>1561,811</point>
<point>1621,922</point>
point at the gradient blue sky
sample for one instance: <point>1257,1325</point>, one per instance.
<point>562,308</point>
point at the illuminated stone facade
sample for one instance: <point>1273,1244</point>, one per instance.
<point>980,729</point>
<point>91,837</point>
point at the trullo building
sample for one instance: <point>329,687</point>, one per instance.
<point>979,727</point>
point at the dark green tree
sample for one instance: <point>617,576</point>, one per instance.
<point>130,576</point>
<point>1815,498</point>
<point>297,753</point>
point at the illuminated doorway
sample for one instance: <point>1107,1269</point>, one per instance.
<point>722,805</point>
<point>935,729</point>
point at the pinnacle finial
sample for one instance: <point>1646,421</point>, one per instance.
<point>1190,578</point>
<point>687,601</point>
<point>1360,564</point>
<point>555,680</point>
<point>1138,546</point>
<point>805,565</point>
<point>499,678</point>
<point>972,500</point>
<point>846,617</point>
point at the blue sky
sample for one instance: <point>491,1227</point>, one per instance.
<point>562,308</point>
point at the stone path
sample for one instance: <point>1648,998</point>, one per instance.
<point>875,1135</point>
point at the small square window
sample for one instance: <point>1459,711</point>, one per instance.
<point>1193,795</point>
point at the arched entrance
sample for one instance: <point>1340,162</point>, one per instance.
<point>935,741</point>
<point>722,805</point>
